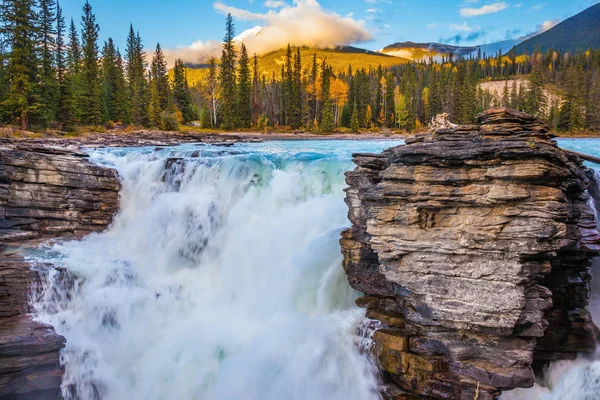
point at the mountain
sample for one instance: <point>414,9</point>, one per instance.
<point>579,32</point>
<point>340,58</point>
<point>423,51</point>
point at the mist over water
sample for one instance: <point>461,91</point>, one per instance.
<point>220,278</point>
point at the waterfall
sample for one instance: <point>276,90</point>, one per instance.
<point>220,278</point>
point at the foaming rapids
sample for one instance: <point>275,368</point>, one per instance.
<point>573,379</point>
<point>219,279</point>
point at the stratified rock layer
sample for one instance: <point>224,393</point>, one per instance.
<point>473,248</point>
<point>53,192</point>
<point>45,192</point>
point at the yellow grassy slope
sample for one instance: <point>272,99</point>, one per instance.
<point>339,59</point>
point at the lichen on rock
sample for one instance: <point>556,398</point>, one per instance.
<point>472,246</point>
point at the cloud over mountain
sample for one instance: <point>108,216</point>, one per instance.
<point>305,23</point>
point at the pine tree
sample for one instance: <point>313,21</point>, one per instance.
<point>48,82</point>
<point>64,92</point>
<point>354,124</point>
<point>327,119</point>
<point>182,95</point>
<point>136,79</point>
<point>110,72</point>
<point>244,90</point>
<point>91,111</point>
<point>228,81</point>
<point>21,33</point>
<point>389,100</point>
<point>536,97</point>
<point>159,88</point>
<point>74,58</point>
<point>256,92</point>
<point>592,121</point>
<point>296,93</point>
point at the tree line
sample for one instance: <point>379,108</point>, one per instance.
<point>54,76</point>
<point>51,74</point>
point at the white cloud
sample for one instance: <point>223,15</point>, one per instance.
<point>487,9</point>
<point>432,26</point>
<point>537,7</point>
<point>305,23</point>
<point>274,3</point>
<point>518,5</point>
<point>373,10</point>
<point>546,25</point>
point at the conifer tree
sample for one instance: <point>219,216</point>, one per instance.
<point>327,119</point>
<point>110,77</point>
<point>21,32</point>
<point>354,124</point>
<point>244,90</point>
<point>136,79</point>
<point>296,94</point>
<point>74,78</point>
<point>228,81</point>
<point>91,111</point>
<point>536,97</point>
<point>256,92</point>
<point>159,88</point>
<point>182,95</point>
<point>48,82</point>
<point>64,95</point>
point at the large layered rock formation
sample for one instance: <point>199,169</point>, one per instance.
<point>45,192</point>
<point>472,246</point>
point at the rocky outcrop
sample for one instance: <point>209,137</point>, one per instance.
<point>45,192</point>
<point>53,192</point>
<point>472,246</point>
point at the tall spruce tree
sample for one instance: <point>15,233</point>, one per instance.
<point>21,32</point>
<point>244,90</point>
<point>110,76</point>
<point>64,96</point>
<point>160,91</point>
<point>48,81</point>
<point>296,92</point>
<point>327,119</point>
<point>136,79</point>
<point>91,110</point>
<point>227,75</point>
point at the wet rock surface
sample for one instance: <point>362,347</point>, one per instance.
<point>472,246</point>
<point>45,192</point>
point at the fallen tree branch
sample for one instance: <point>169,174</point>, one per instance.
<point>586,157</point>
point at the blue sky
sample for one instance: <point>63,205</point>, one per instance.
<point>372,24</point>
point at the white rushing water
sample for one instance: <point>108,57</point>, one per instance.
<point>220,279</point>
